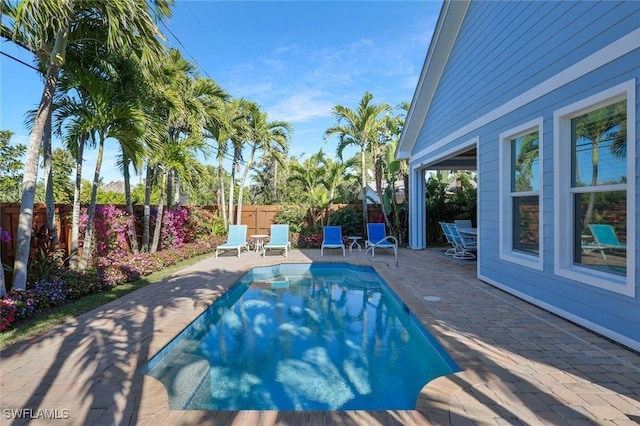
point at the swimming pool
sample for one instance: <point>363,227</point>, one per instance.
<point>302,337</point>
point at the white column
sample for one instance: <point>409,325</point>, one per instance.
<point>417,210</point>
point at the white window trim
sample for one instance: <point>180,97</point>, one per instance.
<point>506,206</point>
<point>563,205</point>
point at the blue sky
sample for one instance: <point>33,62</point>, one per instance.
<point>296,59</point>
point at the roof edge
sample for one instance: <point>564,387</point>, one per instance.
<point>449,22</point>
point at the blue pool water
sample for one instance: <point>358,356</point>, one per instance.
<point>302,337</point>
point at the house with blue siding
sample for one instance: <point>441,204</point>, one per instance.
<point>541,100</point>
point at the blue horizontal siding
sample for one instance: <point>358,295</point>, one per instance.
<point>505,48</point>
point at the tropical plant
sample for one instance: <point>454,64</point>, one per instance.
<point>63,166</point>
<point>185,104</point>
<point>223,126</point>
<point>604,126</point>
<point>259,134</point>
<point>4,237</point>
<point>10,168</point>
<point>361,127</point>
<point>310,176</point>
<point>125,26</point>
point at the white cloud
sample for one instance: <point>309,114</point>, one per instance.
<point>302,106</point>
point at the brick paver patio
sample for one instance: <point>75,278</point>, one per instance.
<point>520,364</point>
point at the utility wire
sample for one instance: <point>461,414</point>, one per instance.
<point>238,161</point>
<point>226,157</point>
<point>21,62</point>
<point>186,50</point>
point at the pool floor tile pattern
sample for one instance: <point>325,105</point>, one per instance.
<point>520,364</point>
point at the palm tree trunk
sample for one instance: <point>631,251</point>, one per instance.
<point>88,236</point>
<point>158,227</point>
<point>231,191</point>
<point>147,209</point>
<point>242,181</point>
<point>30,176</point>
<point>222,207</point>
<point>75,216</point>
<point>170,189</point>
<point>50,202</point>
<point>363,178</point>
<point>595,159</point>
<point>275,182</point>
<point>3,287</point>
<point>133,235</point>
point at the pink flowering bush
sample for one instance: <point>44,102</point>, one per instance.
<point>8,312</point>
<point>309,241</point>
<point>117,266</point>
<point>5,237</point>
<point>173,227</point>
<point>24,302</point>
<point>113,230</point>
<point>79,284</point>
<point>201,225</point>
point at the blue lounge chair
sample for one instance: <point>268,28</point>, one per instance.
<point>449,237</point>
<point>279,239</point>
<point>236,239</point>
<point>464,247</point>
<point>332,238</point>
<point>605,238</point>
<point>377,237</point>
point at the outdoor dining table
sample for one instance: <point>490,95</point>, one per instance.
<point>473,232</point>
<point>470,231</point>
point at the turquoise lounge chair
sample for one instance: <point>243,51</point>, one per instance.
<point>377,237</point>
<point>236,239</point>
<point>278,240</point>
<point>464,247</point>
<point>332,238</point>
<point>449,236</point>
<point>605,238</point>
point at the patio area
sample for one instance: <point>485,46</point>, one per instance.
<point>520,364</point>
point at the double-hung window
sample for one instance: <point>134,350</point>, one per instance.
<point>520,199</point>
<point>595,191</point>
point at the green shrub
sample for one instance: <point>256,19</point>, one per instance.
<point>294,217</point>
<point>350,219</point>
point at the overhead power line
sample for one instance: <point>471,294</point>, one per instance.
<point>20,61</point>
<point>186,50</point>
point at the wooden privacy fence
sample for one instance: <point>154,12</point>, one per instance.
<point>257,218</point>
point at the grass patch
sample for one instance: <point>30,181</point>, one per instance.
<point>46,320</point>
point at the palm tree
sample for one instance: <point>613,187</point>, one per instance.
<point>112,116</point>
<point>221,127</point>
<point>75,140</point>
<point>268,136</point>
<point>604,125</point>
<point>126,25</point>
<point>361,128</point>
<point>185,105</point>
<point>310,174</point>
<point>335,174</point>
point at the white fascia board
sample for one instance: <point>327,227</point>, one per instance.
<point>449,23</point>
